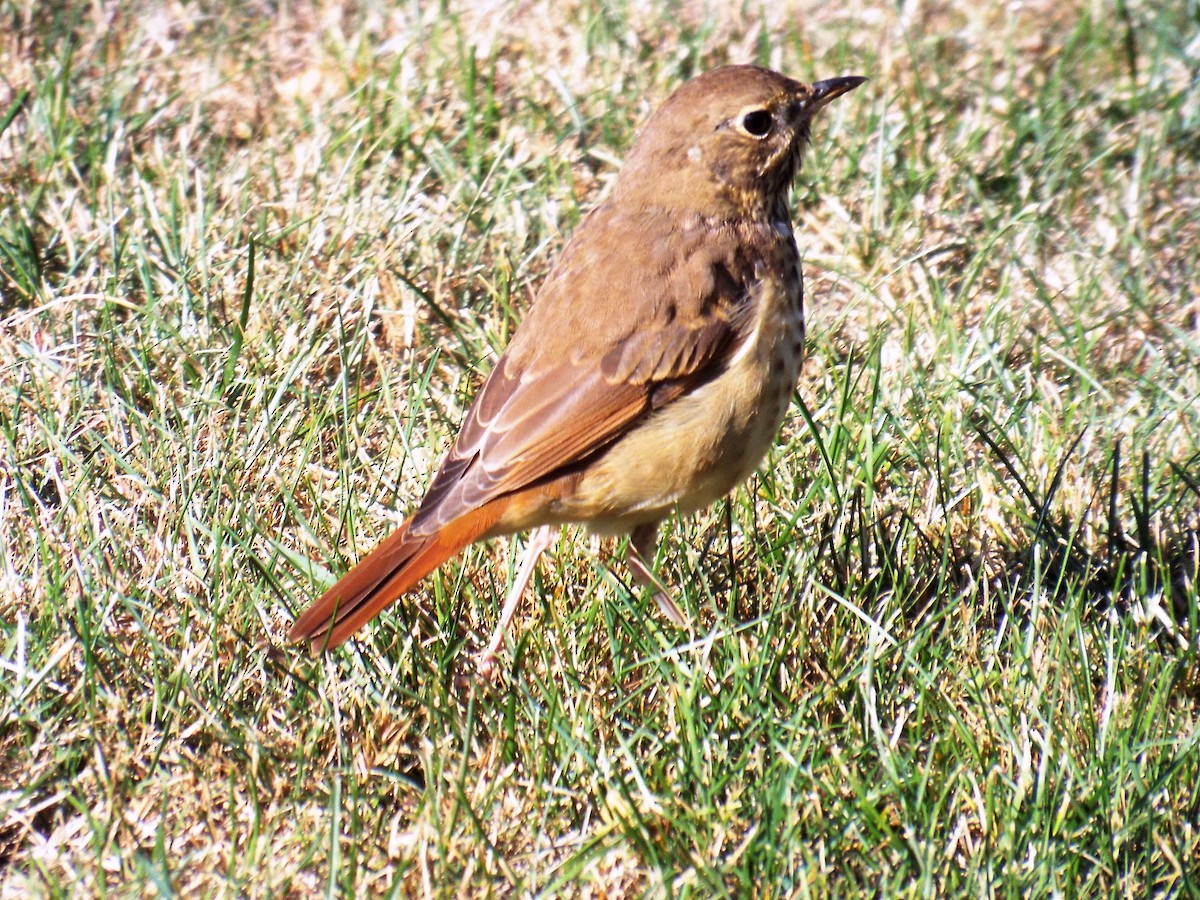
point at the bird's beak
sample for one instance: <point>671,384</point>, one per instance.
<point>830,89</point>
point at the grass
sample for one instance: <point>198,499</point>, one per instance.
<point>254,262</point>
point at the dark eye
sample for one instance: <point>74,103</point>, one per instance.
<point>757,122</point>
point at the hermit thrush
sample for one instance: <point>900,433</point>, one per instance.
<point>656,364</point>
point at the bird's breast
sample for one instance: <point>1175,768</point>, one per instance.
<point>699,447</point>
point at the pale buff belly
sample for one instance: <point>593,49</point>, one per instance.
<point>697,449</point>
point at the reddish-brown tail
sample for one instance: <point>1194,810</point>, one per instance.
<point>392,569</point>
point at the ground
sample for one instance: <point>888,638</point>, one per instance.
<point>254,260</point>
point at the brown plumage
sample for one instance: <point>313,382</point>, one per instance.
<point>655,366</point>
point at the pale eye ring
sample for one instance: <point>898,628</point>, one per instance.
<point>757,123</point>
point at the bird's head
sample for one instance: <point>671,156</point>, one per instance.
<point>727,143</point>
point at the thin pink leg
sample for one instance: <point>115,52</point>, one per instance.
<point>540,540</point>
<point>643,544</point>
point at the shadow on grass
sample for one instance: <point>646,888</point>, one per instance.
<point>1142,558</point>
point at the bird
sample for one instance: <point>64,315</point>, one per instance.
<point>654,368</point>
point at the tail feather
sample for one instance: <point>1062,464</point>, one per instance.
<point>388,572</point>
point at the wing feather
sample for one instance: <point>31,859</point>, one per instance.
<point>551,404</point>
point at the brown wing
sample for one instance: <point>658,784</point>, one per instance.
<point>621,326</point>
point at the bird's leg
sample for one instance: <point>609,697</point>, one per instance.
<point>540,540</point>
<point>643,544</point>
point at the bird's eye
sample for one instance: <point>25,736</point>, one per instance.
<point>756,123</point>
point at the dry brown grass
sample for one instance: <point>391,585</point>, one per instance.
<point>905,683</point>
